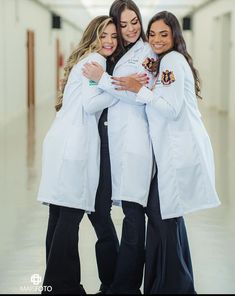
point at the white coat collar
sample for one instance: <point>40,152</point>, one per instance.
<point>132,51</point>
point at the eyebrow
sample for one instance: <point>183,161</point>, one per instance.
<point>104,33</point>
<point>131,20</point>
<point>163,31</point>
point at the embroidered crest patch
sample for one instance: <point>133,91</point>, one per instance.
<point>167,77</point>
<point>150,64</point>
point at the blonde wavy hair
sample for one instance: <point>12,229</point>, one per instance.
<point>90,42</point>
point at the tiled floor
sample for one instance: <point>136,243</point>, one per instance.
<point>23,220</point>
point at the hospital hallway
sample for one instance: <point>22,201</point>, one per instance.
<point>23,220</point>
<point>36,39</point>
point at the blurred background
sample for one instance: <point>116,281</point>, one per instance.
<point>36,38</point>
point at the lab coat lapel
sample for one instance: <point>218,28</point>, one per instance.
<point>139,44</point>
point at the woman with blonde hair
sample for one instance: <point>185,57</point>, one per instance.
<point>71,164</point>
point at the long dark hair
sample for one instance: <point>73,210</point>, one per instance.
<point>115,12</point>
<point>178,41</point>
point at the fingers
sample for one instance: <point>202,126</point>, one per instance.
<point>121,88</point>
<point>85,74</point>
<point>117,78</point>
<point>119,83</point>
<point>88,66</point>
<point>96,64</point>
<point>133,75</point>
<point>138,75</point>
<point>87,69</point>
<point>143,80</point>
<point>141,75</point>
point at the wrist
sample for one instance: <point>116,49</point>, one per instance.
<point>138,87</point>
<point>99,76</point>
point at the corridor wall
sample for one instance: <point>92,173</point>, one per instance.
<point>213,50</point>
<point>16,17</point>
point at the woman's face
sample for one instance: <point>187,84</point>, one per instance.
<point>160,37</point>
<point>130,26</point>
<point>108,41</point>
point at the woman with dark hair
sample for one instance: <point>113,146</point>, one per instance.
<point>185,178</point>
<point>129,144</point>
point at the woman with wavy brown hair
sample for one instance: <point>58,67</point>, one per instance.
<point>129,144</point>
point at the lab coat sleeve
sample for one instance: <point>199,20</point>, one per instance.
<point>106,85</point>
<point>93,98</point>
<point>168,95</point>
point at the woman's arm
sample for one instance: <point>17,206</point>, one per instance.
<point>168,95</point>
<point>93,98</point>
<point>105,82</point>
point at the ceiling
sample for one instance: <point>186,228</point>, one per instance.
<point>80,12</point>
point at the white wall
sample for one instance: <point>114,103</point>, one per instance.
<point>16,17</point>
<point>208,45</point>
<point>2,64</point>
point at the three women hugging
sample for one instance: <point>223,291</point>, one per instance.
<point>127,131</point>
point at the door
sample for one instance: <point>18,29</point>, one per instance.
<point>31,68</point>
<point>57,65</point>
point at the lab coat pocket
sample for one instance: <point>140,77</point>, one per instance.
<point>136,175</point>
<point>185,152</point>
<point>76,144</point>
<point>138,140</point>
<point>72,179</point>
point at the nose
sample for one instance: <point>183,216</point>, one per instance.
<point>109,39</point>
<point>130,27</point>
<point>156,38</point>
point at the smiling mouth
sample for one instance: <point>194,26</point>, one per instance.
<point>108,47</point>
<point>132,35</point>
<point>157,46</point>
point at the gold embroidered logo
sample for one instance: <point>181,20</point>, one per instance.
<point>167,77</point>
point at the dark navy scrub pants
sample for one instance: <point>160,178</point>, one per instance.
<point>130,264</point>
<point>168,268</point>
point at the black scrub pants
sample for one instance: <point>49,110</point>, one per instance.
<point>130,264</point>
<point>168,268</point>
<point>63,264</point>
<point>107,245</point>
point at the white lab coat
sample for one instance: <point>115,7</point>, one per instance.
<point>71,148</point>
<point>182,147</point>
<point>129,141</point>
